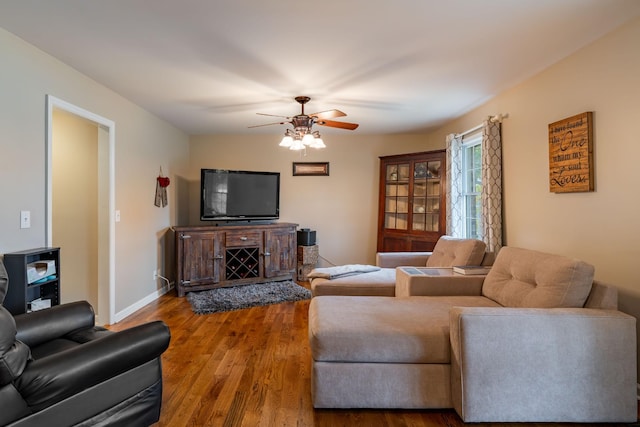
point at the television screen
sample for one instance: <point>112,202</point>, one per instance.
<point>239,195</point>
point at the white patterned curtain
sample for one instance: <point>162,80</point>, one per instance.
<point>492,185</point>
<point>454,185</point>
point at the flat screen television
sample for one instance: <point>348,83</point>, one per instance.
<point>230,195</point>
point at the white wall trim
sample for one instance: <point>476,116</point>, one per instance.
<point>141,303</point>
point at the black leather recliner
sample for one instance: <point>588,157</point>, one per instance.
<point>58,369</point>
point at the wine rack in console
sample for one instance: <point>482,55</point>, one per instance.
<point>242,263</point>
<point>215,256</point>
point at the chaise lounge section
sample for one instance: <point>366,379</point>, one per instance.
<point>541,342</point>
<point>447,252</point>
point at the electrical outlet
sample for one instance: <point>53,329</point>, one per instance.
<point>155,274</point>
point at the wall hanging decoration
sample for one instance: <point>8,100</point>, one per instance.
<point>311,168</point>
<point>162,182</point>
<point>571,154</point>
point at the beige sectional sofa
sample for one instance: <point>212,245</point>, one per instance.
<point>447,252</point>
<point>540,342</point>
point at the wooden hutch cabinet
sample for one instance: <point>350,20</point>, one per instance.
<point>214,256</point>
<point>412,201</point>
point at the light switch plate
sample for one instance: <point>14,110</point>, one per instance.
<point>25,219</point>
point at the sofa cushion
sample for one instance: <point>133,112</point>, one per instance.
<point>384,330</point>
<point>378,283</point>
<point>527,278</point>
<point>450,251</point>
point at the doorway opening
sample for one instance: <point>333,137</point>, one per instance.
<point>104,272</point>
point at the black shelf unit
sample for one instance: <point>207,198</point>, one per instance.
<point>20,292</point>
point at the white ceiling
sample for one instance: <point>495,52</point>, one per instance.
<point>392,66</point>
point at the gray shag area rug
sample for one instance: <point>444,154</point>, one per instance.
<point>245,296</point>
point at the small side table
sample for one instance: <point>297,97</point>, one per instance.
<point>307,260</point>
<point>430,281</point>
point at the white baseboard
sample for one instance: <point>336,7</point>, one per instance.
<point>144,301</point>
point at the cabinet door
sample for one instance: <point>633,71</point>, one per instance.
<point>396,196</point>
<point>202,258</point>
<point>425,196</point>
<point>279,252</point>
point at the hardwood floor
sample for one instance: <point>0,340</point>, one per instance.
<point>252,368</point>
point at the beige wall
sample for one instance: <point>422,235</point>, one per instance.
<point>341,207</point>
<point>143,144</point>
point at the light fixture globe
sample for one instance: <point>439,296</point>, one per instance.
<point>286,141</point>
<point>307,139</point>
<point>318,143</point>
<point>297,145</point>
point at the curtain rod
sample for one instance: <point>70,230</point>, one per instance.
<point>497,118</point>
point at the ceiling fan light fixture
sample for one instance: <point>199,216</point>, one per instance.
<point>302,135</point>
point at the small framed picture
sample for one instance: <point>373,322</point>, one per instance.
<point>310,168</point>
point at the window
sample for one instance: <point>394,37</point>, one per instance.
<point>474,184</point>
<point>471,190</point>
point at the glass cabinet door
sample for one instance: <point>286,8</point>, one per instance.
<point>426,196</point>
<point>396,203</point>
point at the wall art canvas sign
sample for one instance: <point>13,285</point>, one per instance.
<point>571,154</point>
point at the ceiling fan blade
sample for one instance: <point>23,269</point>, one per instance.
<point>334,124</point>
<point>268,124</point>
<point>272,115</point>
<point>329,114</point>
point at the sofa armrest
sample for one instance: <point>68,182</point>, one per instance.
<point>445,285</point>
<point>397,259</point>
<point>44,325</point>
<point>53,378</point>
<point>544,365</point>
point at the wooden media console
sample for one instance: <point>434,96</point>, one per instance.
<point>209,257</point>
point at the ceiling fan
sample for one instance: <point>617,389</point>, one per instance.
<point>302,135</point>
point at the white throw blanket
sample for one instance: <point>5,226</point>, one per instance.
<point>341,271</point>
